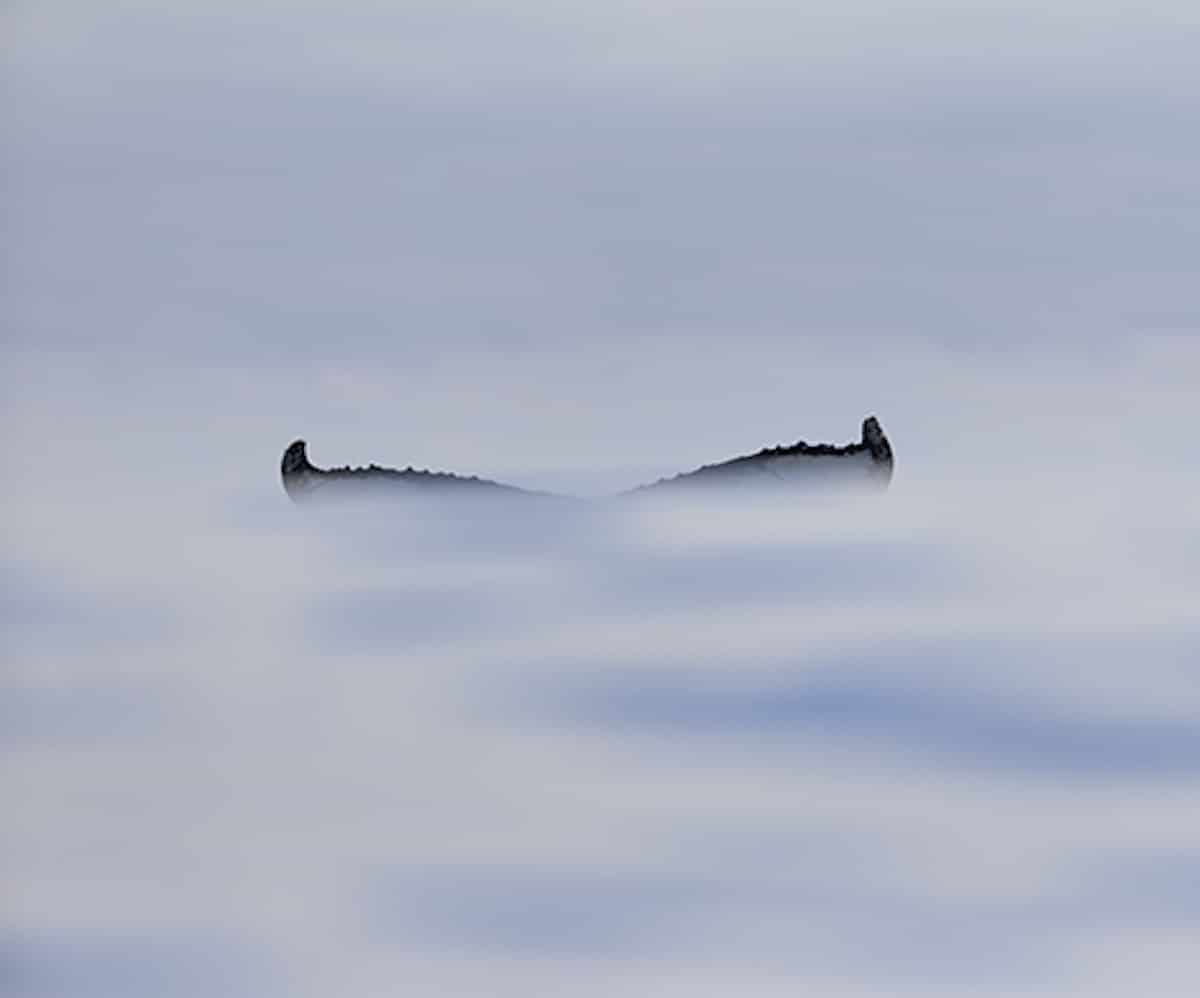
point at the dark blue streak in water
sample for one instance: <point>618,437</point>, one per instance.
<point>962,728</point>
<point>123,966</point>
<point>531,911</point>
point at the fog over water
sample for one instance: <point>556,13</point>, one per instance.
<point>939,740</point>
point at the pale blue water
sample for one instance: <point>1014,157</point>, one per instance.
<point>904,744</point>
<point>939,743</point>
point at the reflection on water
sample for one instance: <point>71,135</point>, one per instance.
<point>893,744</point>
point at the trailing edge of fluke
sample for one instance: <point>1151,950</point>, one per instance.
<point>869,462</point>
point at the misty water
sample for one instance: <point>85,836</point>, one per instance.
<point>942,740</point>
<point>254,748</point>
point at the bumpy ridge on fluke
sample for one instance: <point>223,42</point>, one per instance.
<point>783,464</point>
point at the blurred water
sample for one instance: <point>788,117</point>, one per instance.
<point>936,742</point>
<point>895,744</point>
